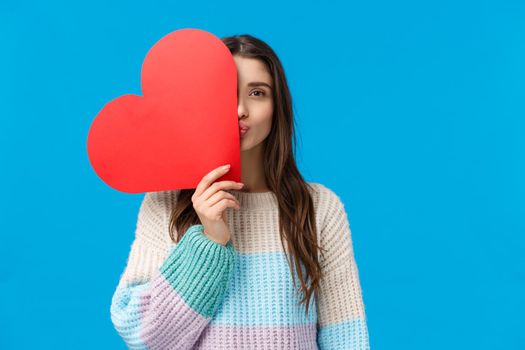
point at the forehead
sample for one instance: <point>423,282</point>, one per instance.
<point>251,69</point>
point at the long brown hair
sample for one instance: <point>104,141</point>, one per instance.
<point>296,210</point>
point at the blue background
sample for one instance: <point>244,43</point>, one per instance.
<point>411,111</point>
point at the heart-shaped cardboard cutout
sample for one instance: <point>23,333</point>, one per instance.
<point>184,125</point>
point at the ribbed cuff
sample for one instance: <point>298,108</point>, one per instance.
<point>199,269</point>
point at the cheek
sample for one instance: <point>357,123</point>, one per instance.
<point>266,122</point>
<point>263,126</point>
<point>261,115</point>
<point>268,114</point>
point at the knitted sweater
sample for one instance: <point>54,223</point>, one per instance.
<point>199,294</point>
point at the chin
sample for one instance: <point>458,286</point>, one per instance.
<point>248,144</point>
<point>245,145</point>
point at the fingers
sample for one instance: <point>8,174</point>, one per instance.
<point>221,195</point>
<point>221,206</point>
<point>218,186</point>
<point>210,178</point>
<point>211,195</point>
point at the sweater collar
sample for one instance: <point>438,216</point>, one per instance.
<point>255,200</point>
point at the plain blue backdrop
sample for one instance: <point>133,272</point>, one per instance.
<point>411,111</point>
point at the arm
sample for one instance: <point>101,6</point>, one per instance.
<point>342,322</point>
<point>165,299</point>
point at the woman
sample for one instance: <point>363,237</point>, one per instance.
<point>216,267</point>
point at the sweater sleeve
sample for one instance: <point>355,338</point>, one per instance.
<point>342,322</point>
<point>167,296</point>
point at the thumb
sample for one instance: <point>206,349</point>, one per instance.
<point>224,216</point>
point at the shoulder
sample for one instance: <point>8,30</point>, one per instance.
<point>334,232</point>
<point>153,219</point>
<point>160,202</point>
<point>331,218</point>
<point>322,191</point>
<point>156,204</point>
<point>328,204</point>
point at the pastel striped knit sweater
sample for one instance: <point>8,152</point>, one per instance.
<point>199,294</point>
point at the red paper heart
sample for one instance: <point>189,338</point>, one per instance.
<point>183,126</point>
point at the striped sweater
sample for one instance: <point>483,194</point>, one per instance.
<point>199,294</point>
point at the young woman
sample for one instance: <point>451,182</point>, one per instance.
<point>266,263</point>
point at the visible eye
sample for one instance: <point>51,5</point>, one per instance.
<point>262,92</point>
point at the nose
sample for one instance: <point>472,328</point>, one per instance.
<point>241,111</point>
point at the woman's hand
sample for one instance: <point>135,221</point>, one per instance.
<point>210,203</point>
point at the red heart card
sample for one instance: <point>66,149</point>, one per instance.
<point>183,126</point>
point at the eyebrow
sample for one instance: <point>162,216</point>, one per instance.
<point>259,83</point>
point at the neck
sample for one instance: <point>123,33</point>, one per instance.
<point>252,170</point>
<point>255,200</point>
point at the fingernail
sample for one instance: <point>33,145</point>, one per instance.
<point>226,166</point>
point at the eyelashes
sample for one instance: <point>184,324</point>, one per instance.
<point>262,93</point>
